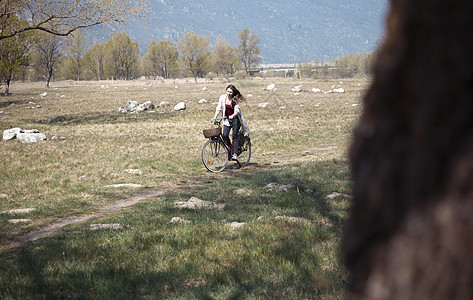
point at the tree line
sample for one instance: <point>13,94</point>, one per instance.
<point>43,40</point>
<point>38,55</point>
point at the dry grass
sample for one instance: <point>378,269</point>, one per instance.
<point>64,177</point>
<point>300,136</point>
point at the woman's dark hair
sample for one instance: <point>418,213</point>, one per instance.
<point>237,97</point>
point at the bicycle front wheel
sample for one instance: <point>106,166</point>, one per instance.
<point>214,156</point>
<point>244,151</point>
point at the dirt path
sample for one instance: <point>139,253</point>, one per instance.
<point>56,227</point>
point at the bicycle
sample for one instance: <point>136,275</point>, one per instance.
<point>216,153</point>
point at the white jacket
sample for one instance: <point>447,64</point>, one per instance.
<point>221,109</point>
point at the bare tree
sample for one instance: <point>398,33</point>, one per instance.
<point>161,59</point>
<point>224,57</point>
<point>62,17</point>
<point>14,54</point>
<point>249,49</point>
<point>195,52</point>
<point>46,54</point>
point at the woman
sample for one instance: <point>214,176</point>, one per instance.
<point>229,106</point>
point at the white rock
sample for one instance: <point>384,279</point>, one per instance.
<point>195,203</point>
<point>204,88</point>
<point>271,87</point>
<point>31,137</point>
<point>43,94</point>
<point>292,219</point>
<point>180,106</point>
<point>19,211</point>
<point>263,105</point>
<point>10,134</point>
<point>131,105</point>
<point>202,101</point>
<point>339,90</point>
<point>105,226</point>
<point>134,171</point>
<point>16,221</point>
<point>179,220</point>
<point>279,187</point>
<point>130,185</point>
<point>297,88</point>
<point>336,195</point>
<point>163,104</point>
<point>237,224</point>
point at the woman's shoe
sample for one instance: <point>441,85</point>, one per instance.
<point>234,157</point>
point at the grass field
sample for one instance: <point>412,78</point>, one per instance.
<point>288,246</point>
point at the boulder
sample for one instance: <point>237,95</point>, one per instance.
<point>31,137</point>
<point>10,134</point>
<point>180,106</point>
<point>131,105</point>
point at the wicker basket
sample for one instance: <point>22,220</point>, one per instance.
<point>208,133</point>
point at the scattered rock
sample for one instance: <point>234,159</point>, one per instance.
<point>339,90</point>
<point>202,101</point>
<point>31,136</point>
<point>336,195</point>
<point>19,211</point>
<point>105,226</point>
<point>4,196</point>
<point>43,94</point>
<point>10,134</point>
<point>279,187</point>
<point>163,104</point>
<point>271,87</point>
<point>57,137</point>
<point>134,171</point>
<point>293,219</point>
<point>179,220</point>
<point>237,224</point>
<point>135,107</point>
<point>130,185</point>
<point>16,221</point>
<point>297,89</point>
<point>25,136</point>
<point>316,90</point>
<point>263,105</point>
<point>204,88</point>
<point>196,203</point>
<point>180,106</point>
<point>244,192</point>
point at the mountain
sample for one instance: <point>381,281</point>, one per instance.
<point>289,31</point>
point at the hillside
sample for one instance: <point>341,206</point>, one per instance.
<point>290,31</point>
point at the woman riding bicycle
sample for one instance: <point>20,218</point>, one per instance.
<point>229,106</point>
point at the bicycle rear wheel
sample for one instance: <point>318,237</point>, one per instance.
<point>214,155</point>
<point>244,151</point>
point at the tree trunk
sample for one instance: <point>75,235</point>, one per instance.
<point>7,87</point>
<point>409,235</point>
<point>50,75</point>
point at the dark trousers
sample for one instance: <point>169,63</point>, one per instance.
<point>235,127</point>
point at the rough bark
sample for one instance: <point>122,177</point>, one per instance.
<point>410,232</point>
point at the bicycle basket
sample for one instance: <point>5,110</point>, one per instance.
<point>208,133</point>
